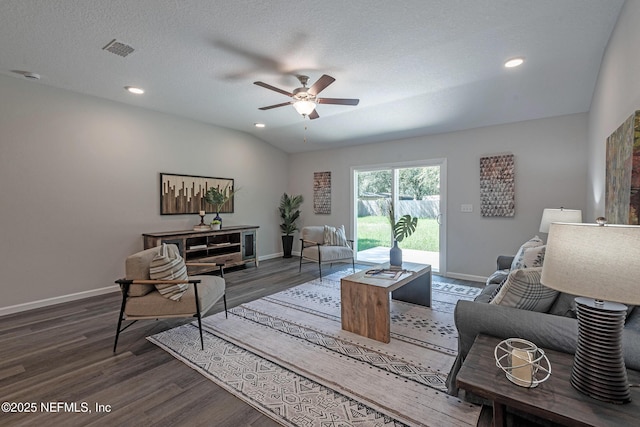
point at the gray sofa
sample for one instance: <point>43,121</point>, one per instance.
<point>556,330</point>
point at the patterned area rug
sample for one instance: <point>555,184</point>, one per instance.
<point>287,356</point>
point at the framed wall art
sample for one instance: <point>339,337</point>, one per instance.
<point>184,194</point>
<point>497,185</point>
<point>622,191</point>
<point>322,192</point>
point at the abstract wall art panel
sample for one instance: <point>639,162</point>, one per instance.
<point>622,192</point>
<point>322,192</point>
<point>497,185</point>
<point>184,194</point>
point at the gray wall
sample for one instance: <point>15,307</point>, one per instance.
<point>80,183</point>
<point>616,97</point>
<point>550,157</point>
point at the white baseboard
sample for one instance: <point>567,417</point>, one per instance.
<point>270,256</point>
<point>57,300</point>
<point>469,277</point>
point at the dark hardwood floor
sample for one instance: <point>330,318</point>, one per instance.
<point>63,353</point>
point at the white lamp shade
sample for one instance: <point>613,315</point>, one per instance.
<point>589,260</point>
<point>304,107</point>
<point>559,215</point>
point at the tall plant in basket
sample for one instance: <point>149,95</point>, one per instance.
<point>289,213</point>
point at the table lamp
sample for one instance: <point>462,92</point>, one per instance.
<point>600,264</point>
<point>558,215</point>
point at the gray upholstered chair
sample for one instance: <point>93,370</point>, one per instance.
<point>141,300</point>
<point>315,249</point>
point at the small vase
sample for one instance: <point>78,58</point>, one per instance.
<point>217,218</point>
<point>395,255</point>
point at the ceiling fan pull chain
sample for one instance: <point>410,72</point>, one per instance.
<point>305,132</point>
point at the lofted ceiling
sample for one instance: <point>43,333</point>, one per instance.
<point>418,67</point>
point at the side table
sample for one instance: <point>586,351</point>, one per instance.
<point>555,399</point>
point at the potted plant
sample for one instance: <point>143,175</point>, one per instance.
<point>401,229</point>
<point>215,224</point>
<point>289,214</point>
<point>218,198</point>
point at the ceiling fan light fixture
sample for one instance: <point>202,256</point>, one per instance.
<point>304,107</point>
<point>306,98</point>
<point>514,62</point>
<point>134,90</point>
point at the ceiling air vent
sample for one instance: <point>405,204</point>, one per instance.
<point>120,49</point>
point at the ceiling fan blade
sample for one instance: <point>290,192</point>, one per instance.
<point>314,115</point>
<point>267,86</point>
<point>321,84</point>
<point>339,101</point>
<point>275,106</point>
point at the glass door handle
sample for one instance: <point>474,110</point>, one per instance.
<point>439,219</point>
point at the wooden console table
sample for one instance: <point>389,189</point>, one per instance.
<point>555,399</point>
<point>232,245</point>
<point>365,300</point>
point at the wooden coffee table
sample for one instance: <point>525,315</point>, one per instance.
<point>555,399</point>
<point>365,300</point>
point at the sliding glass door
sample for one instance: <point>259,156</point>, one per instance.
<point>415,189</point>
<point>374,190</point>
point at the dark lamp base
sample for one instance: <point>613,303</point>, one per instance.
<point>598,366</point>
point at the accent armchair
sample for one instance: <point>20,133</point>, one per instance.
<point>141,299</point>
<point>324,244</point>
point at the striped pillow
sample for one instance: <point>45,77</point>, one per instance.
<point>169,265</point>
<point>523,290</point>
<point>335,236</point>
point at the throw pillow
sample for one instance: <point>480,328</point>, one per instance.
<point>169,265</point>
<point>523,290</point>
<point>497,277</point>
<point>335,236</point>
<point>533,257</point>
<point>518,259</point>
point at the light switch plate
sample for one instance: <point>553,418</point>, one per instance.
<point>466,208</point>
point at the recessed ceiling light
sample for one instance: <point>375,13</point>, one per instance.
<point>135,90</point>
<point>514,62</point>
<point>259,125</point>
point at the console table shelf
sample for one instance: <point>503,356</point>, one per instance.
<point>231,246</point>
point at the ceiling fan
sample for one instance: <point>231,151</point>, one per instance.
<point>306,98</point>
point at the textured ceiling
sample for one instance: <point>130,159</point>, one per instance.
<point>418,66</point>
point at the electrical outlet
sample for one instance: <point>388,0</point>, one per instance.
<point>466,208</point>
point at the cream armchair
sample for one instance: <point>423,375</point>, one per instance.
<point>316,248</point>
<point>141,300</point>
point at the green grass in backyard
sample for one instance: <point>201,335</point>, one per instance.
<point>375,231</point>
